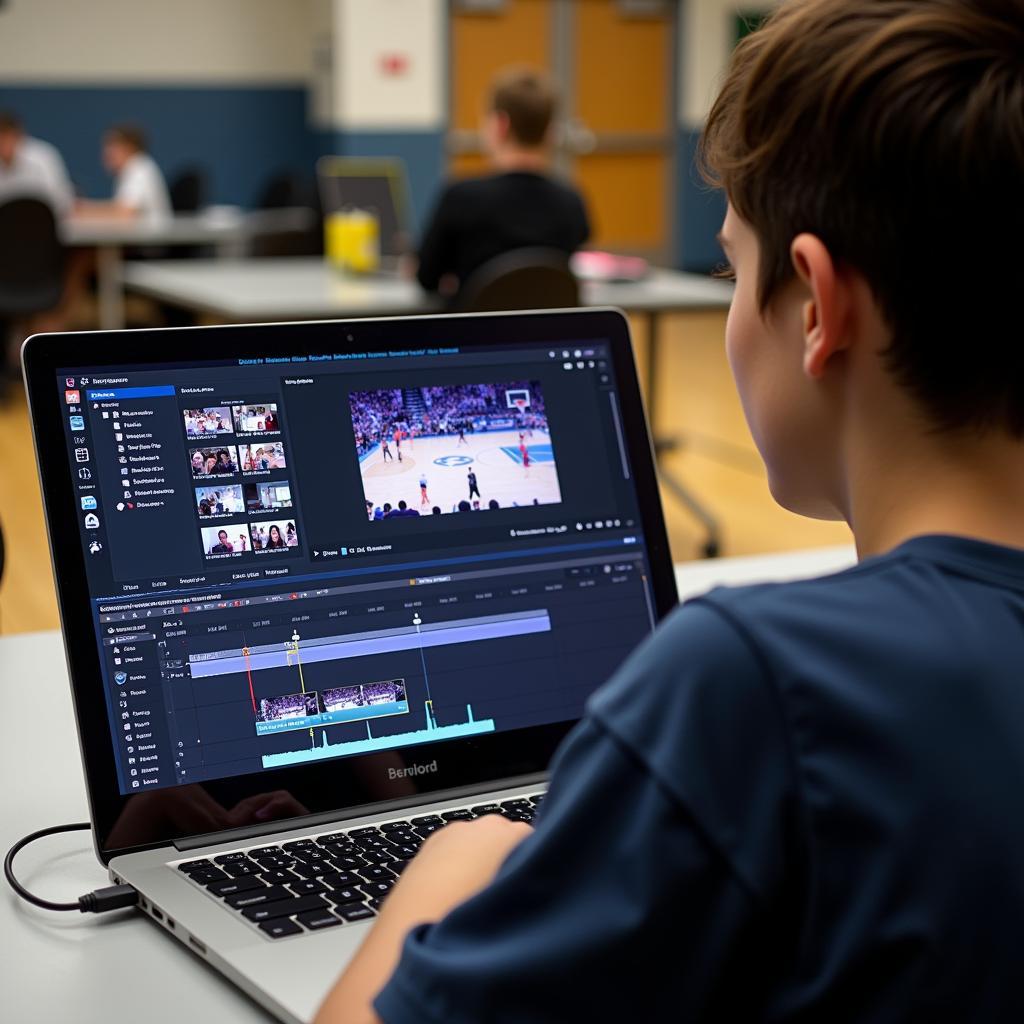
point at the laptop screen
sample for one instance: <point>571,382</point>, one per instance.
<point>296,560</point>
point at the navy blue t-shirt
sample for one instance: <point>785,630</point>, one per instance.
<point>795,802</point>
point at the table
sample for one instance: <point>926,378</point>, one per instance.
<point>301,288</point>
<point>228,229</point>
<point>119,966</point>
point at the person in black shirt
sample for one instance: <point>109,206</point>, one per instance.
<point>519,206</point>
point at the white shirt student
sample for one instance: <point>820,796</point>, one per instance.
<point>140,186</point>
<point>32,168</point>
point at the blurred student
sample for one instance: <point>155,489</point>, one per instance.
<point>519,205</point>
<point>140,191</point>
<point>30,167</point>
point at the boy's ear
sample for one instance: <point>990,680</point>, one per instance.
<point>826,309</point>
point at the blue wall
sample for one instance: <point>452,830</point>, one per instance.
<point>240,135</point>
<point>422,152</point>
<point>699,210</point>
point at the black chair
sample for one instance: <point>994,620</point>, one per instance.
<point>520,279</point>
<point>284,192</point>
<point>188,191</point>
<point>31,265</point>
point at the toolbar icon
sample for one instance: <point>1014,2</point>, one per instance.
<point>92,521</point>
<point>81,455</point>
<point>88,502</point>
<point>85,474</point>
<point>72,397</point>
<point>78,423</point>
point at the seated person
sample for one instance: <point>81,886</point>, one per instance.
<point>31,167</point>
<point>801,801</point>
<point>139,187</point>
<point>521,205</point>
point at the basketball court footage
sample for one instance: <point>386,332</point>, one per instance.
<point>477,448</point>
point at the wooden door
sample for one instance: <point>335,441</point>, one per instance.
<point>613,63</point>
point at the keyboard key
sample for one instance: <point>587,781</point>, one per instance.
<point>227,858</point>
<point>460,815</point>
<point>345,894</point>
<point>299,844</point>
<point>280,928</point>
<point>399,866</point>
<point>368,843</point>
<point>195,865</point>
<point>349,863</point>
<point>374,874</point>
<point>283,908</point>
<point>354,911</point>
<point>486,809</point>
<point>303,888</point>
<point>265,851</point>
<point>340,879</point>
<point>383,856</point>
<point>315,919</point>
<point>427,819</point>
<point>369,830</point>
<point>426,830</point>
<point>332,837</point>
<point>516,805</point>
<point>519,816</point>
<point>314,870</point>
<point>404,852</point>
<point>241,868</point>
<point>234,885</point>
<point>378,888</point>
<point>375,902</point>
<point>391,826</point>
<point>264,894</point>
<point>274,863</point>
<point>210,874</point>
<point>277,877</point>
<point>404,836</point>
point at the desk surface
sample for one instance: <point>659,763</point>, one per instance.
<point>308,289</point>
<point>119,966</point>
<point>208,227</point>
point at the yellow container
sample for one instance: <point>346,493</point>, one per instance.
<point>352,240</point>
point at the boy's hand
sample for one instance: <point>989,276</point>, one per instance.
<point>452,865</point>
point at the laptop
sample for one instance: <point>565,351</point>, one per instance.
<point>326,587</point>
<point>377,184</point>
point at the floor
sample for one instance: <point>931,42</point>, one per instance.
<point>716,460</point>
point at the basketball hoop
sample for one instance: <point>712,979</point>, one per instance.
<point>520,403</point>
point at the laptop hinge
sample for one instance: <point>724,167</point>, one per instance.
<point>237,835</point>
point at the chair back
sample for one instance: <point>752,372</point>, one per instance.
<point>532,278</point>
<point>31,258</point>
<point>188,191</point>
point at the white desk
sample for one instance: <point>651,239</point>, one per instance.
<point>57,968</point>
<point>228,230</point>
<point>301,288</point>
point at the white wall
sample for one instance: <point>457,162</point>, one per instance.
<point>173,41</point>
<point>366,32</point>
<point>707,35</point>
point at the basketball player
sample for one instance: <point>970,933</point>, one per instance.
<point>424,500</point>
<point>524,452</point>
<point>462,434</point>
<point>473,488</point>
<point>385,449</point>
<point>398,442</point>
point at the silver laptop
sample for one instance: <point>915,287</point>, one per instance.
<point>326,587</point>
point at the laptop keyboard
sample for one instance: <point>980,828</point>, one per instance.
<point>328,880</point>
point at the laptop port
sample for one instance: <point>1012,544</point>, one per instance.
<point>193,941</point>
<point>157,913</point>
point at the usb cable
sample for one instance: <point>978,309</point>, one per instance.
<point>99,901</point>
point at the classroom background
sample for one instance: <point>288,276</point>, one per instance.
<point>242,96</point>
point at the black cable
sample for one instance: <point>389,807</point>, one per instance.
<point>98,901</point>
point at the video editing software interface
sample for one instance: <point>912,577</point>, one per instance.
<point>297,559</point>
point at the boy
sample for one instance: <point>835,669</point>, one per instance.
<point>802,801</point>
<point>140,192</point>
<point>519,206</point>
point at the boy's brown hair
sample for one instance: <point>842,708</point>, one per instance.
<point>528,99</point>
<point>894,131</point>
<point>130,134</point>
